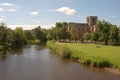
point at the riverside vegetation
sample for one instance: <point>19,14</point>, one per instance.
<point>92,54</point>
<point>89,54</point>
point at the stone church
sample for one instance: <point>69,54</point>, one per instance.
<point>81,28</point>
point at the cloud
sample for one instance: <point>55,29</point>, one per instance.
<point>2,18</point>
<point>1,9</point>
<point>38,21</point>
<point>7,4</point>
<point>34,13</point>
<point>12,10</point>
<point>65,10</point>
<point>29,27</point>
<point>112,16</point>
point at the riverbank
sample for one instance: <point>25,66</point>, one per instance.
<point>90,54</point>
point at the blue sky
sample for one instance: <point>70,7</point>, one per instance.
<point>30,13</point>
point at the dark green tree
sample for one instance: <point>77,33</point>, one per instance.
<point>103,29</point>
<point>114,34</point>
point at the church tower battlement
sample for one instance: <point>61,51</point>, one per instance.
<point>91,20</point>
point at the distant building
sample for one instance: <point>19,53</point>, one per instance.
<point>84,27</point>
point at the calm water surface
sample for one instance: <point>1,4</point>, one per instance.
<point>39,63</point>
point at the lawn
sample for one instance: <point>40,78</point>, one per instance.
<point>95,52</point>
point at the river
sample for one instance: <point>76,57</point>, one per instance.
<point>38,63</point>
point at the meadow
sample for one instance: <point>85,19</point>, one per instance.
<point>90,54</point>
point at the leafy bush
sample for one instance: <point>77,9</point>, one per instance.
<point>65,52</point>
<point>87,61</point>
<point>1,47</point>
<point>74,57</point>
<point>104,63</point>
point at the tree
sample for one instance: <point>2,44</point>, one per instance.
<point>74,33</point>
<point>103,29</point>
<point>18,38</point>
<point>114,34</point>
<point>28,34</point>
<point>87,36</point>
<point>3,35</point>
<point>59,31</point>
<point>95,36</point>
<point>39,35</point>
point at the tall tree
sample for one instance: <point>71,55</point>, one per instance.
<point>114,34</point>
<point>18,37</point>
<point>103,29</point>
<point>3,34</point>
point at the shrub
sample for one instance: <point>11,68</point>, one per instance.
<point>65,52</point>
<point>104,63</point>
<point>1,47</point>
<point>74,57</point>
<point>94,63</point>
<point>87,61</point>
<point>37,41</point>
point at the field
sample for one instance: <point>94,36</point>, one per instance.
<point>96,55</point>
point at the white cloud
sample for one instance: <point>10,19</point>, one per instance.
<point>65,10</point>
<point>2,18</point>
<point>1,9</point>
<point>34,13</point>
<point>12,10</point>
<point>7,4</point>
<point>29,27</point>
<point>38,21</point>
<point>112,16</point>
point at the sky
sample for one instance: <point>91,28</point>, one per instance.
<point>32,13</point>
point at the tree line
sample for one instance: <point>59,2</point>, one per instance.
<point>105,32</point>
<point>16,38</point>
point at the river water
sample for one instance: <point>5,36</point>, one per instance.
<point>38,63</point>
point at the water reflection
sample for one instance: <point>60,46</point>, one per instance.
<point>15,52</point>
<point>3,55</point>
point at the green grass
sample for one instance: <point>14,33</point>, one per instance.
<point>92,54</point>
<point>95,53</point>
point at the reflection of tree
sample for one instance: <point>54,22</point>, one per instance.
<point>40,47</point>
<point>16,51</point>
<point>3,55</point>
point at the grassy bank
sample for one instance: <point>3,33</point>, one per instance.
<point>63,51</point>
<point>90,54</point>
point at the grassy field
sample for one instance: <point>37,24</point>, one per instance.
<point>91,54</point>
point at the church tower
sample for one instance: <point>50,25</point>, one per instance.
<point>91,21</point>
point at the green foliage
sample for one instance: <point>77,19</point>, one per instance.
<point>65,52</point>
<point>95,36</point>
<point>59,32</point>
<point>104,63</point>
<point>114,34</point>
<point>87,61</point>
<point>87,36</point>
<point>36,41</point>
<point>103,30</point>
<point>1,47</point>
